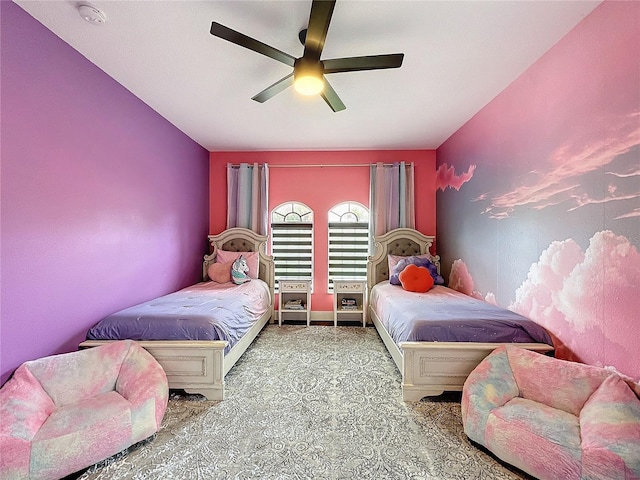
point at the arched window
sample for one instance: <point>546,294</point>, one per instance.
<point>292,241</point>
<point>348,242</point>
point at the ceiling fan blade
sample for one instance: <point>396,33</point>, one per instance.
<point>243,40</point>
<point>331,97</point>
<point>319,19</point>
<point>274,89</point>
<point>372,62</point>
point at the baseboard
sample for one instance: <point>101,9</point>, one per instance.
<point>316,316</point>
<point>322,316</point>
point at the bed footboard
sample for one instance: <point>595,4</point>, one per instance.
<point>431,368</point>
<point>193,366</point>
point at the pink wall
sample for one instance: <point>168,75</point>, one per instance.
<point>539,202</point>
<point>321,188</point>
<point>104,203</point>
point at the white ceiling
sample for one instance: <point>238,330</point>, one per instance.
<point>458,56</point>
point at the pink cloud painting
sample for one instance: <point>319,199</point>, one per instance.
<point>577,295</point>
<point>558,179</point>
<point>446,177</point>
<point>461,280</point>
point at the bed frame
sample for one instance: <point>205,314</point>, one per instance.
<point>427,368</point>
<point>199,366</point>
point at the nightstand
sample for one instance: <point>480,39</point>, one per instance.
<point>295,300</point>
<point>350,301</point>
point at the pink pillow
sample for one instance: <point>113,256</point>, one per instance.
<point>393,261</point>
<point>251,258</point>
<point>219,272</point>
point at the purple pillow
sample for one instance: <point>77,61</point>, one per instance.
<point>419,262</point>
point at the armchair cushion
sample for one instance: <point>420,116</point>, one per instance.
<point>557,383</point>
<point>535,438</point>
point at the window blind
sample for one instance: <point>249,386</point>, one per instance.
<point>292,250</point>
<point>348,251</point>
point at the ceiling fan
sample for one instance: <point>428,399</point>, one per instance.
<point>308,76</point>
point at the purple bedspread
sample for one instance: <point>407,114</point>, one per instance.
<point>446,315</point>
<point>205,311</point>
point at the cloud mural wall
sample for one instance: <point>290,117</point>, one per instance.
<point>446,177</point>
<point>560,180</point>
<point>568,290</point>
<point>461,280</point>
<point>542,216</point>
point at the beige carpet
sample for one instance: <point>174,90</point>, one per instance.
<point>309,402</point>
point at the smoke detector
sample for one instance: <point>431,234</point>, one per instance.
<point>92,14</point>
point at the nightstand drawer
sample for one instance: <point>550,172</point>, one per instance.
<point>293,286</point>
<point>349,286</point>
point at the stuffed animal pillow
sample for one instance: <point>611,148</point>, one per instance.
<point>240,271</point>
<point>416,279</point>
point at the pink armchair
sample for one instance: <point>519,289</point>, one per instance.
<point>63,413</point>
<point>553,419</point>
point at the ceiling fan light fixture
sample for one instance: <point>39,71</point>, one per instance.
<point>308,77</point>
<point>308,84</point>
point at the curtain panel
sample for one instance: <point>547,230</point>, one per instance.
<point>247,197</point>
<point>391,198</point>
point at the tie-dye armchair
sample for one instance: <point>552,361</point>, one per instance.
<point>63,413</point>
<point>553,419</point>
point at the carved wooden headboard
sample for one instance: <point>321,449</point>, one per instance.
<point>243,240</point>
<point>401,241</point>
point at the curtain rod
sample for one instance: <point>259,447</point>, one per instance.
<point>320,165</point>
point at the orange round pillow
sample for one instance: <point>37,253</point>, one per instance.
<point>416,279</point>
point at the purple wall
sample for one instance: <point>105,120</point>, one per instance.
<point>539,201</point>
<point>104,203</point>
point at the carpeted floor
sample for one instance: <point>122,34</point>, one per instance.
<point>309,402</point>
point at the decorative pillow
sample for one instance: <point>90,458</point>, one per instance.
<point>239,271</point>
<point>219,272</point>
<point>251,258</point>
<point>416,279</point>
<point>419,261</point>
<point>395,259</point>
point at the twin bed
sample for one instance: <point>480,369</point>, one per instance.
<point>198,333</point>
<point>437,338</point>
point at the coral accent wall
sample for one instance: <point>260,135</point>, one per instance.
<point>321,188</point>
<point>104,202</point>
<point>539,193</point>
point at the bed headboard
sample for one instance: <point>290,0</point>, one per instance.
<point>242,240</point>
<point>401,241</point>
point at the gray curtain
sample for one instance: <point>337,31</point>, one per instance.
<point>391,199</point>
<point>248,197</point>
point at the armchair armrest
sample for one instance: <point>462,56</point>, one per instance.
<point>610,430</point>
<point>489,386</point>
<point>143,382</point>
<point>24,407</point>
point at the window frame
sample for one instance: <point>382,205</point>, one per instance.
<point>359,229</point>
<point>293,216</point>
